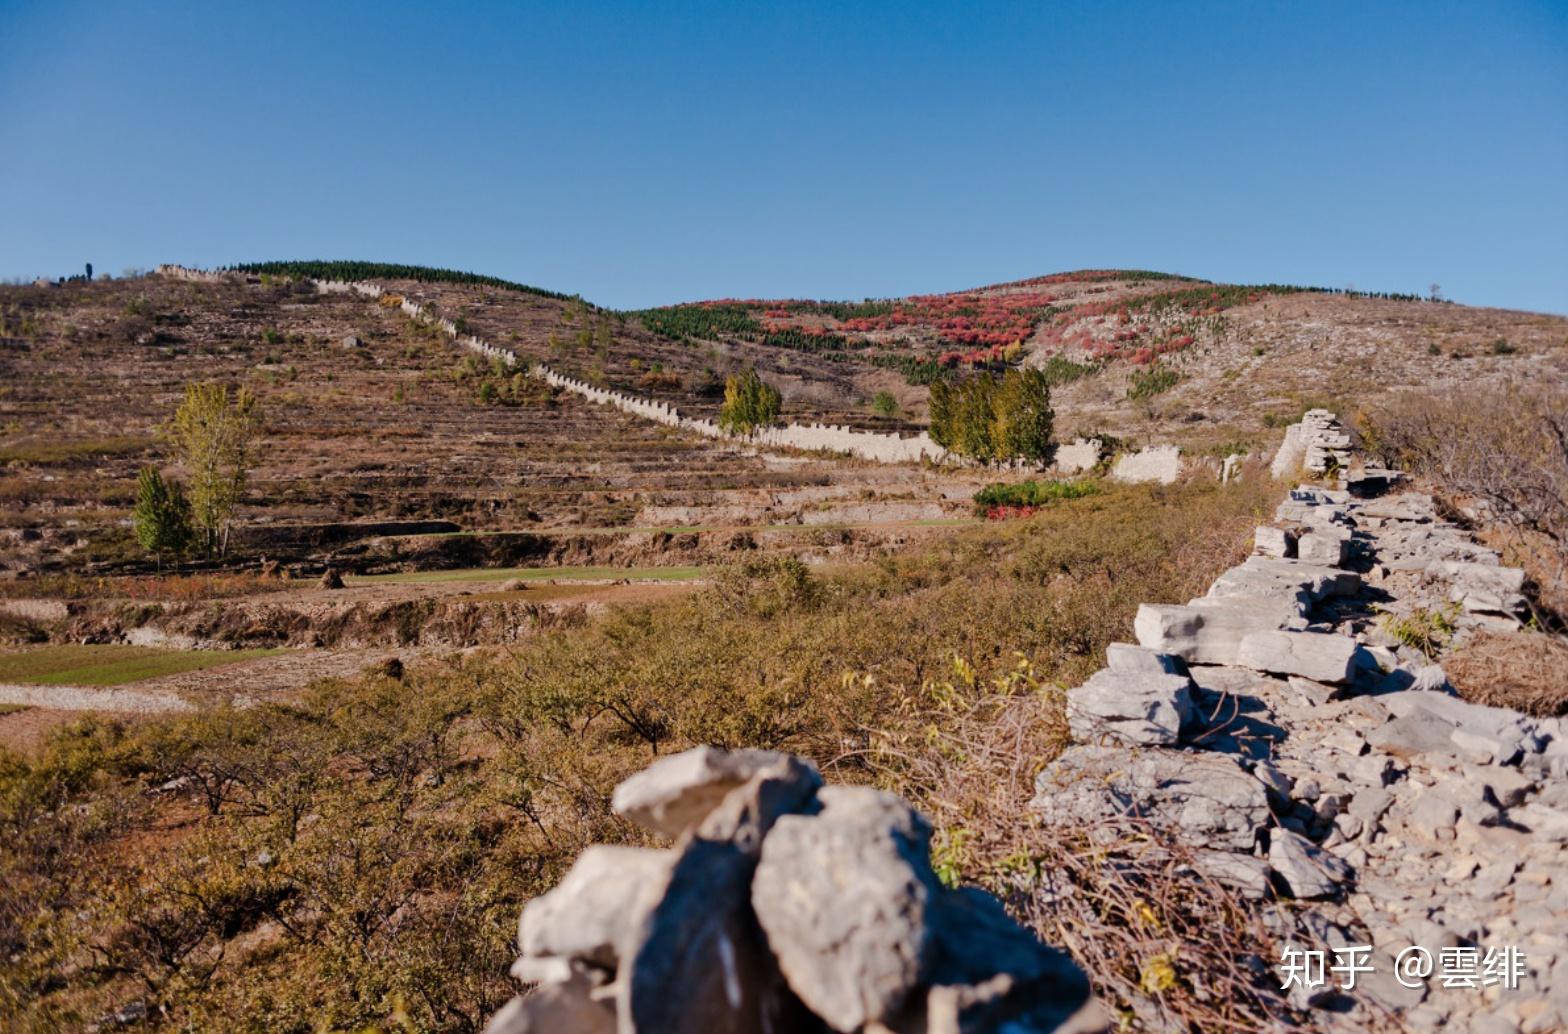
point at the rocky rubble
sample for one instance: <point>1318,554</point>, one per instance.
<point>1327,768</point>
<point>783,905</point>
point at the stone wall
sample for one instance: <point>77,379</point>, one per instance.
<point>1306,756</point>
<point>1161,463</point>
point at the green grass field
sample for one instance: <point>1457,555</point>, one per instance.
<point>531,574</point>
<point>110,665</point>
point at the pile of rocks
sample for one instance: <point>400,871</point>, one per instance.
<point>1304,754</point>
<point>1317,443</point>
<point>784,905</point>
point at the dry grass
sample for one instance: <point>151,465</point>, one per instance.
<point>1527,671</point>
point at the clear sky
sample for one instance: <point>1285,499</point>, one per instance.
<point>644,153</point>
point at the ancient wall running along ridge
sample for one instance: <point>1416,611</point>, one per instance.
<point>1303,754</point>
<point>1160,463</point>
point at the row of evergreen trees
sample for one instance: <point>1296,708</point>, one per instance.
<point>994,419</point>
<point>319,269</point>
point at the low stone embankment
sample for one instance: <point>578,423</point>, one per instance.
<point>1316,762</point>
<point>784,905</point>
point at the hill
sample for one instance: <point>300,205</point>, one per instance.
<point>308,782</point>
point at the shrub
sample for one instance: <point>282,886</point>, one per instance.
<point>1031,493</point>
<point>1503,446</point>
<point>884,404</point>
<point>749,404</point>
<point>1148,383</point>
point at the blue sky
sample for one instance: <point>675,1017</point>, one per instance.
<point>644,153</point>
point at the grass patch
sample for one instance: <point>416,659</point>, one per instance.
<point>110,665</point>
<point>6,709</point>
<point>532,574</point>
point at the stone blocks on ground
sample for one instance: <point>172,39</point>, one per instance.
<point>1139,708</point>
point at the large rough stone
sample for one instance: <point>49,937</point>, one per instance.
<point>1209,631</point>
<point>553,1009</point>
<point>1267,576</point>
<point>1126,658</point>
<point>1321,547</point>
<point>1140,708</point>
<point>1206,798</point>
<point>676,793</point>
<point>1419,732</point>
<point>699,960</point>
<point>589,914</point>
<point>843,897</point>
<point>1308,871</point>
<point>1160,463</point>
<point>990,974</point>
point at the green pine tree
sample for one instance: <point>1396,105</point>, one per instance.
<point>163,515</point>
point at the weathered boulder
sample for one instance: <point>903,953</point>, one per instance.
<point>990,974</point>
<point>553,1009</point>
<point>1129,659</point>
<point>1206,798</point>
<point>1135,707</point>
<point>1321,656</point>
<point>1210,631</point>
<point>698,960</point>
<point>591,912</point>
<point>843,896</point>
<point>674,794</point>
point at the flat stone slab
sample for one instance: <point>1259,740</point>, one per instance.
<point>1320,656</point>
<point>1207,799</point>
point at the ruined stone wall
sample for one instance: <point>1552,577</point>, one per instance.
<point>1162,463</point>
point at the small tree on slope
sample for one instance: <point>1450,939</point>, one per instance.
<point>163,515</point>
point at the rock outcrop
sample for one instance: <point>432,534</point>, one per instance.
<point>784,905</point>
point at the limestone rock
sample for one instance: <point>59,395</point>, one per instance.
<point>699,961</point>
<point>843,896</point>
<point>1141,708</point>
<point>1318,547</point>
<point>1126,658</point>
<point>1208,798</point>
<point>1274,542</point>
<point>990,974</point>
<point>1482,588</point>
<point>676,793</point>
<point>1319,656</point>
<point>1308,871</point>
<point>553,1009</point>
<point>590,913</point>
